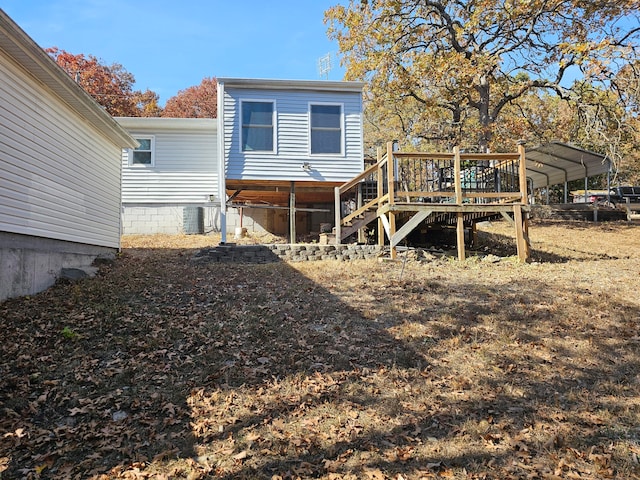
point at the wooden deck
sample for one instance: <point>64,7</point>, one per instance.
<point>405,190</point>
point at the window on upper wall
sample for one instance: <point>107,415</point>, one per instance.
<point>257,126</point>
<point>144,154</point>
<point>326,128</point>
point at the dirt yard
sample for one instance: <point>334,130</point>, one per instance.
<point>426,368</point>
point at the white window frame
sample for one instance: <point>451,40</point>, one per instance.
<point>274,124</point>
<point>152,142</point>
<point>342,129</point>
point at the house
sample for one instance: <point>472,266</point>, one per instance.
<point>59,169</point>
<point>269,163</point>
<point>286,145</point>
<point>170,181</point>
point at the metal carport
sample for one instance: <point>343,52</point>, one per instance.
<point>558,163</point>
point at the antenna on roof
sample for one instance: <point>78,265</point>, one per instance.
<point>324,66</point>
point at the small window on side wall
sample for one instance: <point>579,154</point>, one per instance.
<point>143,155</point>
<point>326,129</point>
<point>257,126</point>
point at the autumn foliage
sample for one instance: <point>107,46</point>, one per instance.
<point>458,68</point>
<point>199,101</point>
<point>110,85</point>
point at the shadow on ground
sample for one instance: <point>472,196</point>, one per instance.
<point>163,366</point>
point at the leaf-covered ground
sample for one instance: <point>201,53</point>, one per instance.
<point>161,367</point>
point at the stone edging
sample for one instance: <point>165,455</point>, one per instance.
<point>231,253</point>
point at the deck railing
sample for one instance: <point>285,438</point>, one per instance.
<point>457,178</point>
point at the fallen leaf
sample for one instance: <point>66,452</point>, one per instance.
<point>374,474</point>
<point>242,455</point>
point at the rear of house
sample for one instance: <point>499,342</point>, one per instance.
<point>269,163</point>
<point>286,144</point>
<point>59,169</point>
<point>170,182</point>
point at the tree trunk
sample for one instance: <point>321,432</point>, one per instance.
<point>485,118</point>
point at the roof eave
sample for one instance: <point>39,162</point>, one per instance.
<point>166,123</point>
<point>326,85</point>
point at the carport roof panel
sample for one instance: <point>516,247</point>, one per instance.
<point>555,163</point>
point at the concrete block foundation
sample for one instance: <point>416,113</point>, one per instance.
<point>140,219</point>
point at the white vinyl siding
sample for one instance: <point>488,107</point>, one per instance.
<point>59,176</point>
<point>185,169</point>
<point>293,137</point>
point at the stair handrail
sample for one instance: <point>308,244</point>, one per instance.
<point>339,221</point>
<point>363,209</point>
<point>368,171</point>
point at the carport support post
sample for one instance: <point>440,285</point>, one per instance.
<point>548,187</point>
<point>586,189</point>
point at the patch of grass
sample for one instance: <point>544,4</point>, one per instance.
<point>69,333</point>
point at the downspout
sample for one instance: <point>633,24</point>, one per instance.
<point>222,181</point>
<point>121,225</point>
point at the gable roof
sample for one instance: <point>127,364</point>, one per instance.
<point>555,163</point>
<point>37,63</point>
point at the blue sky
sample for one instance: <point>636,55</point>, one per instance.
<point>170,45</point>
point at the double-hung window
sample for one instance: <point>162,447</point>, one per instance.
<point>326,128</point>
<point>257,126</point>
<point>143,155</point>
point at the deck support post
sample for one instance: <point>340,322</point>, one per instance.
<point>521,243</point>
<point>460,236</point>
<point>457,169</point>
<point>392,194</point>
<point>380,190</point>
<point>292,213</point>
<point>522,219</point>
<point>522,173</point>
<point>338,217</point>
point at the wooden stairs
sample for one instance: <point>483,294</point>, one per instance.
<point>358,223</point>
